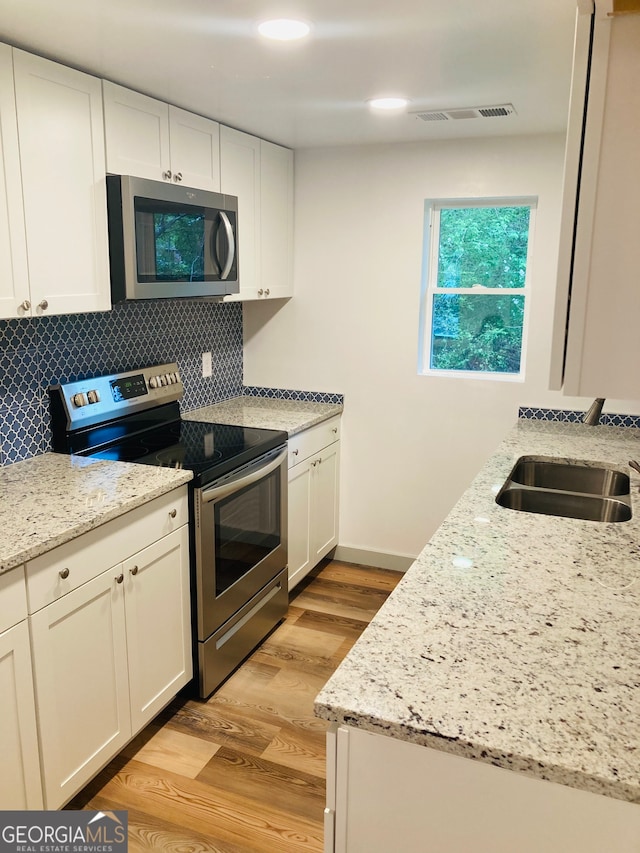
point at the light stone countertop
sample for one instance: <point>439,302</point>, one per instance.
<point>514,638</point>
<point>292,416</point>
<point>50,499</point>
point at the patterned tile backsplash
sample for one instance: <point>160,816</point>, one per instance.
<point>571,416</point>
<point>36,353</point>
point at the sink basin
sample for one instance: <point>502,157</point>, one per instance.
<point>566,504</point>
<point>554,474</point>
<point>568,489</point>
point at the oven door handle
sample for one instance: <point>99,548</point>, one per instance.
<point>215,493</point>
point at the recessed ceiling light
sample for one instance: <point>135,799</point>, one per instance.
<point>388,103</point>
<point>284,29</point>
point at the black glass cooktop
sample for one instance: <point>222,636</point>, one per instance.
<point>209,450</point>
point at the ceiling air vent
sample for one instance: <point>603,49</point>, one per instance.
<point>466,112</point>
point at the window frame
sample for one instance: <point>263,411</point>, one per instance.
<point>429,280</point>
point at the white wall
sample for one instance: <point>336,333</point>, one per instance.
<point>411,443</point>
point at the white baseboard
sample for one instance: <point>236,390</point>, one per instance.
<point>376,559</point>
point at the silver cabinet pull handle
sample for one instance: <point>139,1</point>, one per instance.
<point>134,570</point>
<point>167,175</point>
<point>64,574</point>
<point>335,429</point>
<point>260,292</point>
<point>25,305</point>
<point>120,578</point>
<point>43,305</point>
<point>173,513</point>
<point>267,291</point>
<point>295,452</point>
<point>177,177</point>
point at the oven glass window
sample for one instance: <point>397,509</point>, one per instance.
<point>247,529</point>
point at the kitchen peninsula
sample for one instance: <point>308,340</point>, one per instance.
<point>511,644</point>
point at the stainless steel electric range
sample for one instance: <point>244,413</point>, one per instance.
<point>238,500</point>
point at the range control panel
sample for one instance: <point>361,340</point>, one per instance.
<point>101,398</point>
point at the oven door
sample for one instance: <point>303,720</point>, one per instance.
<point>240,538</point>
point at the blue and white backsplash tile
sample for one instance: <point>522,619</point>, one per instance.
<point>38,352</point>
<point>286,394</point>
<point>572,416</point>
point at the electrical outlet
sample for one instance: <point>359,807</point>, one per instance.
<point>207,368</point>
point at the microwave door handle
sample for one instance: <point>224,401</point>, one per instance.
<point>232,245</point>
<point>217,492</point>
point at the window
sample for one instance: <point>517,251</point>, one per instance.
<point>476,287</point>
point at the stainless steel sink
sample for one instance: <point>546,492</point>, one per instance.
<point>571,490</point>
<point>554,474</point>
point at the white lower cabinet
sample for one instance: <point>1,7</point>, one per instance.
<point>385,794</point>
<point>20,786</point>
<point>110,652</point>
<point>314,482</point>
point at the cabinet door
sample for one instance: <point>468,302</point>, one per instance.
<point>61,136</point>
<point>603,344</point>
<point>14,280</point>
<point>20,786</point>
<point>158,624</point>
<point>276,220</point>
<point>136,133</point>
<point>240,176</point>
<point>299,523</point>
<point>195,150</point>
<point>324,508</point>
<point>80,667</point>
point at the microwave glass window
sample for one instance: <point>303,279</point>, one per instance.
<point>170,241</point>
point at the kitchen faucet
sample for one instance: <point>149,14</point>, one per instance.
<point>592,417</point>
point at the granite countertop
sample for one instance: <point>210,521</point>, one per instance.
<point>51,499</point>
<point>292,416</point>
<point>514,638</point>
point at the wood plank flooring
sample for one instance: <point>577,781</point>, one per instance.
<point>244,772</point>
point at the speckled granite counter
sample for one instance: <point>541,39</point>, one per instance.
<point>293,416</point>
<point>51,499</point>
<point>514,638</point>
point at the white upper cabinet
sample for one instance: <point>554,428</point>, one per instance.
<point>260,174</point>
<point>240,176</point>
<point>56,187</point>
<point>276,219</point>
<point>150,139</point>
<point>14,276</point>
<point>600,255</point>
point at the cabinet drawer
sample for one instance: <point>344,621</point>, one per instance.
<point>56,573</point>
<point>13,598</point>
<point>312,440</point>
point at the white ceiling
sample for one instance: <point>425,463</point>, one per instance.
<point>205,56</point>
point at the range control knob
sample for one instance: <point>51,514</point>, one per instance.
<point>168,379</point>
<point>177,375</point>
<point>93,396</point>
<point>79,400</point>
<point>153,382</point>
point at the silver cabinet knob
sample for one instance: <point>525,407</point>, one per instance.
<point>134,570</point>
<point>295,452</point>
<point>266,293</point>
<point>64,574</point>
<point>260,292</point>
<point>25,305</point>
<point>334,430</point>
<point>173,513</point>
<point>177,177</point>
<point>43,305</point>
<point>120,578</point>
<point>167,175</point>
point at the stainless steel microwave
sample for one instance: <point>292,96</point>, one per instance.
<point>170,242</point>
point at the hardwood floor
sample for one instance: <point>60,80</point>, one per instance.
<point>245,770</point>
